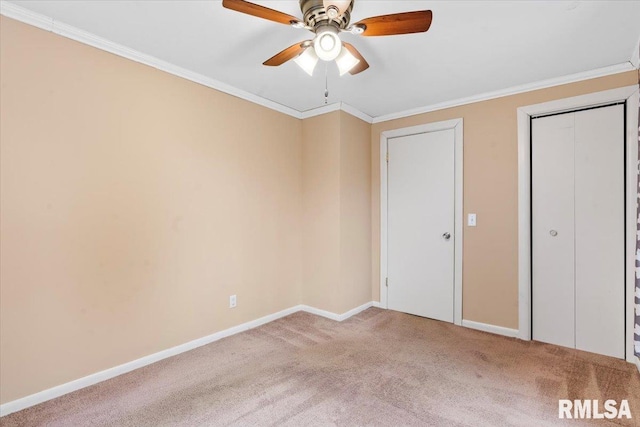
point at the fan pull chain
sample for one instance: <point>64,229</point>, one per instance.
<point>326,86</point>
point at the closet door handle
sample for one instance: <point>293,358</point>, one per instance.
<point>446,236</point>
<point>553,233</point>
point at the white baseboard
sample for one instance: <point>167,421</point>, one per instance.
<point>376,304</point>
<point>638,363</point>
<point>507,332</point>
<point>319,312</point>
<point>334,316</point>
<point>57,391</point>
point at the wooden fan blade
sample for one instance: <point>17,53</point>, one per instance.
<point>397,23</point>
<point>360,66</point>
<point>259,11</point>
<point>285,55</point>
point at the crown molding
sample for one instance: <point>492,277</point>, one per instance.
<point>542,84</point>
<point>337,106</point>
<point>349,109</point>
<point>46,23</point>
<point>635,55</point>
<point>320,110</point>
<point>49,24</point>
<point>25,15</point>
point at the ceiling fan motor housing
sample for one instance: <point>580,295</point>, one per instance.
<point>316,15</point>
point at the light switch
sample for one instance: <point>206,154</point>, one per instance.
<point>471,222</point>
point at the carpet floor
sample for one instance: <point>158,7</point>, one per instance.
<point>377,368</point>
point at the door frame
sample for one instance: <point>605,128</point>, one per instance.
<point>628,94</point>
<point>457,126</point>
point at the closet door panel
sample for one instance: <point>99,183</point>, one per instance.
<point>599,230</point>
<point>552,154</point>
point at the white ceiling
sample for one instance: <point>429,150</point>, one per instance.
<point>473,47</point>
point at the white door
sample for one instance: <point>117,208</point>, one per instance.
<point>578,230</point>
<point>420,218</point>
<point>599,206</point>
<point>552,178</point>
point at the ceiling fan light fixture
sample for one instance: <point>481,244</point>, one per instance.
<point>327,18</point>
<point>307,60</point>
<point>327,43</point>
<point>346,61</point>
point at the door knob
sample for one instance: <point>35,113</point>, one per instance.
<point>446,236</point>
<point>553,233</point>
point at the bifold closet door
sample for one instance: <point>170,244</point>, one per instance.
<point>578,230</point>
<point>552,178</point>
<point>599,225</point>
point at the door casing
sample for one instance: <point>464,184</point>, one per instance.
<point>628,94</point>
<point>578,176</point>
<point>457,126</point>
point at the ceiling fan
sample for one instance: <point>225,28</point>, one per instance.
<point>327,19</point>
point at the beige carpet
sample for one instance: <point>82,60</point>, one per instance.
<point>377,368</point>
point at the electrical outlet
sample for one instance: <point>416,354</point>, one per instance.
<point>472,220</point>
<point>232,301</point>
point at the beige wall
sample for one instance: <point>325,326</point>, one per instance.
<point>336,170</point>
<point>490,253</point>
<point>133,204</point>
<point>321,211</point>
<point>355,212</point>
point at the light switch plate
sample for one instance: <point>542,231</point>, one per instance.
<point>471,222</point>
